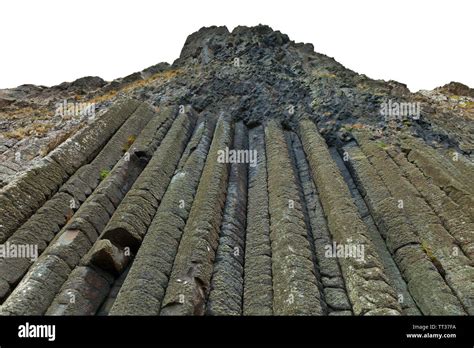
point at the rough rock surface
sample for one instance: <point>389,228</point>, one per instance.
<point>253,176</point>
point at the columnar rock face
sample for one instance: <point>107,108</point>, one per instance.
<point>251,177</point>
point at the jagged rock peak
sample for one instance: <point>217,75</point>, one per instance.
<point>456,88</point>
<point>216,40</point>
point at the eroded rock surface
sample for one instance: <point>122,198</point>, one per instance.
<point>253,176</point>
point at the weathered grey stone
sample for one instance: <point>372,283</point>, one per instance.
<point>364,294</point>
<point>192,269</point>
<point>29,191</point>
<point>294,281</point>
<point>82,293</point>
<point>134,170</point>
<point>258,287</point>
<point>38,288</point>
<point>107,257</point>
<point>70,246</point>
<point>225,296</point>
<point>434,239</point>
<point>337,299</point>
<point>129,223</point>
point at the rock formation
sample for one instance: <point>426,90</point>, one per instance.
<point>359,202</point>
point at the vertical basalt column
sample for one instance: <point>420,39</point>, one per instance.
<point>258,286</point>
<point>225,297</point>
<point>52,269</point>
<point>44,225</point>
<point>368,286</point>
<point>435,240</point>
<point>88,285</point>
<point>109,301</point>
<point>455,220</point>
<point>190,279</point>
<point>294,281</point>
<point>27,193</point>
<point>404,298</point>
<point>129,224</point>
<point>144,287</point>
<point>332,282</point>
<point>442,173</point>
<point>424,282</point>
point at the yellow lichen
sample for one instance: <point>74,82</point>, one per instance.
<point>130,140</point>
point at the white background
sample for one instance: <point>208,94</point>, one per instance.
<point>424,44</point>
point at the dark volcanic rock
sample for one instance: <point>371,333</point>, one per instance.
<point>457,88</point>
<point>253,176</point>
